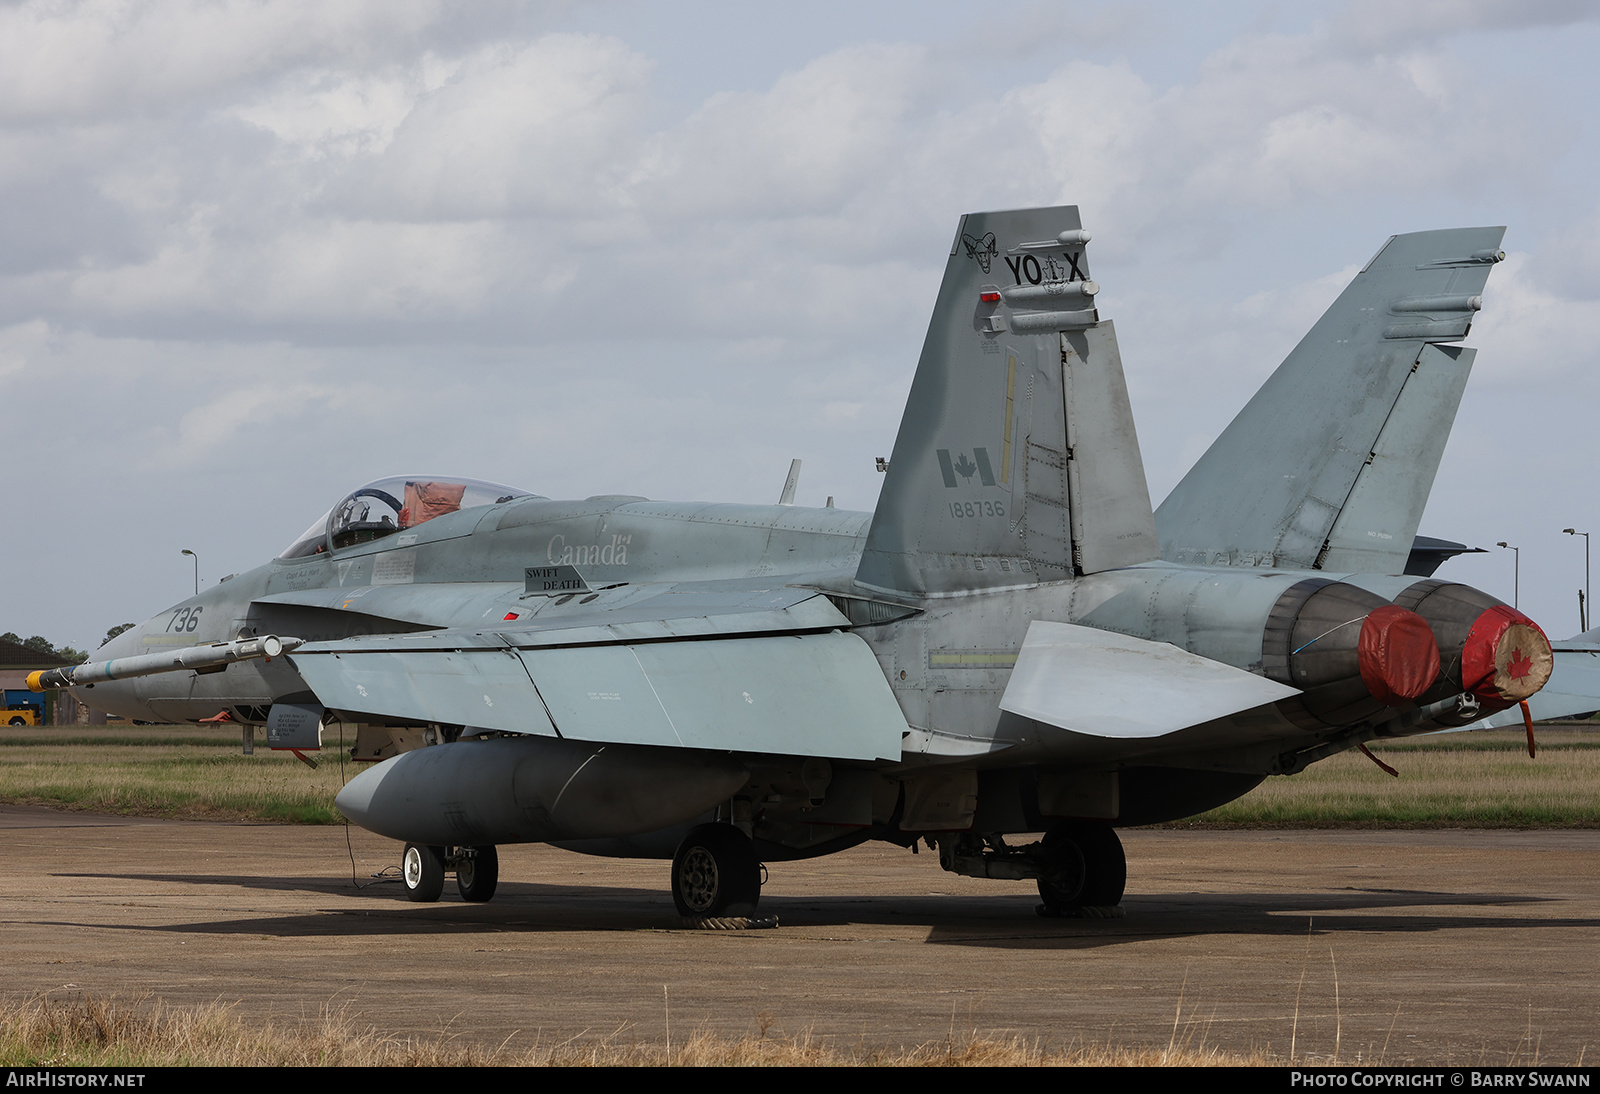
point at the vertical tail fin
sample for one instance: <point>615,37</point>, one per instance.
<point>1017,459</point>
<point>790,484</point>
<point>1329,466</point>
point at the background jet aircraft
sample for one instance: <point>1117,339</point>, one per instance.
<point>1002,647</point>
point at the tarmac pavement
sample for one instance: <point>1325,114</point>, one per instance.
<point>1437,946</point>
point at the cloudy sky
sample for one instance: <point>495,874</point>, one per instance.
<point>253,254</point>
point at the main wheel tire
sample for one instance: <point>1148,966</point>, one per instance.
<point>716,873</point>
<point>422,870</point>
<point>1082,865</point>
<point>1062,870</point>
<point>477,873</point>
<point>19,721</point>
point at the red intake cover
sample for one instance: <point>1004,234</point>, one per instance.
<point>1398,656</point>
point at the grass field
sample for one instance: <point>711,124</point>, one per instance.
<point>1482,779</point>
<point>176,772</point>
<point>95,1032</point>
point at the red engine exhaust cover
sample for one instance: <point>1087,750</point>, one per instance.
<point>1397,654</point>
<point>1506,657</point>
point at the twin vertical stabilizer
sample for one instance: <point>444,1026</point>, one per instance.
<point>1330,465</point>
<point>1016,459</point>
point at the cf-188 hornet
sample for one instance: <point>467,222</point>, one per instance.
<point>1012,642</point>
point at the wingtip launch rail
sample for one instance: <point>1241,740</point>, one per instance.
<point>211,657</point>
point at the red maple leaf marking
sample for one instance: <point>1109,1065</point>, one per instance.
<point>1520,666</point>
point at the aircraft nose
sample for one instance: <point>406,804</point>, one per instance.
<point>118,697</point>
<point>125,644</point>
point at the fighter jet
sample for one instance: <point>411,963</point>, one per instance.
<point>1013,642</point>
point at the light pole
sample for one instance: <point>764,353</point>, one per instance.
<point>1516,571</point>
<point>1583,609</point>
<point>196,558</point>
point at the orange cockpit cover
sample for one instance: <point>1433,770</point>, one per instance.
<point>426,500</point>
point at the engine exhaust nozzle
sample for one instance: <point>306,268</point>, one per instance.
<point>1488,648</point>
<point>1351,653</point>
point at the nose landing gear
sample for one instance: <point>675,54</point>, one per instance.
<point>422,868</point>
<point>477,872</point>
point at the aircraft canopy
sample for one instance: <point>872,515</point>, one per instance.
<point>386,506</point>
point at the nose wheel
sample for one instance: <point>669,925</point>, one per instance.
<point>477,873</point>
<point>423,867</point>
<point>1082,869</point>
<point>422,870</point>
<point>716,873</point>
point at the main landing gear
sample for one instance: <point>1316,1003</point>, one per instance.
<point>716,874</point>
<point>1082,869</point>
<point>1079,865</point>
<point>422,868</point>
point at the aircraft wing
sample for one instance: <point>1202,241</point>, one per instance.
<point>727,669</point>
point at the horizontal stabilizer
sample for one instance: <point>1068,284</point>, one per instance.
<point>1111,685</point>
<point>1429,553</point>
<point>799,695</point>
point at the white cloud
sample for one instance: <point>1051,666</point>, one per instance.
<point>436,184</point>
<point>804,147</point>
<point>1276,120</point>
<point>208,430</point>
<point>1381,24</point>
<point>22,344</point>
<point>1570,255</point>
<point>365,270</point>
<point>335,113</point>
<point>72,60</point>
<point>544,128</point>
<point>1529,332</point>
<point>339,272</point>
<point>1092,124</point>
